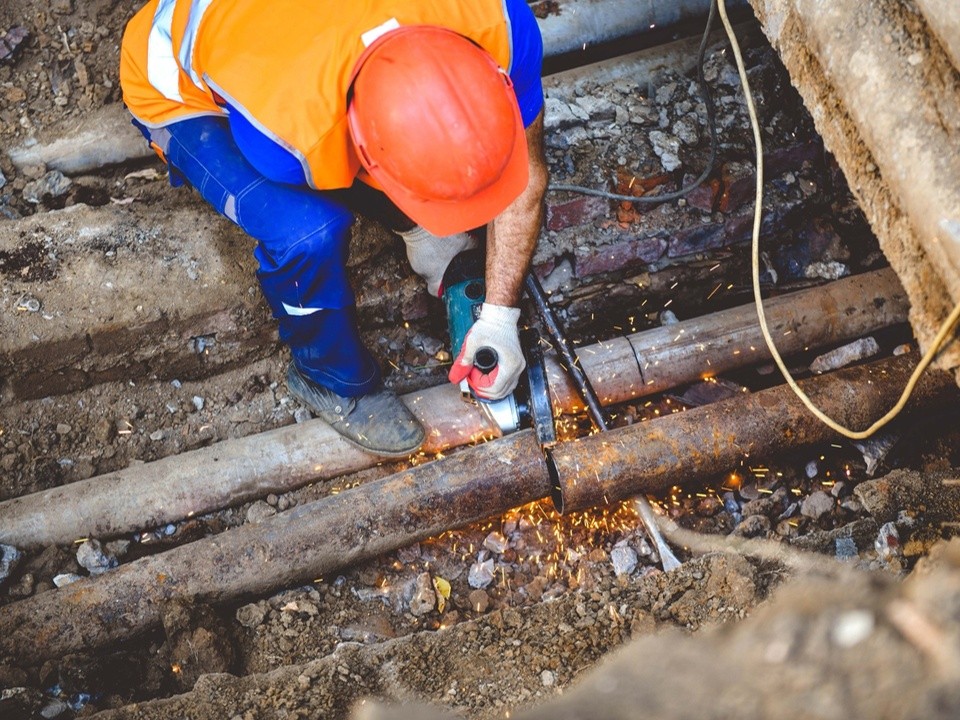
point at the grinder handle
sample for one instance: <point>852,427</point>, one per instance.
<point>485,359</point>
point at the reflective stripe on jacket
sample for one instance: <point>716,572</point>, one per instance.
<point>284,64</point>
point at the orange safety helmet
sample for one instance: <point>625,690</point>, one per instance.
<point>436,124</point>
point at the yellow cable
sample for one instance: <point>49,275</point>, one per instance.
<point>938,341</point>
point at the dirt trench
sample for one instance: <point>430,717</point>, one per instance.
<point>107,362</point>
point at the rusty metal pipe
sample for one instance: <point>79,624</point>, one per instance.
<point>652,361</point>
<point>689,447</point>
<point>227,473</point>
<point>236,471</point>
<point>293,547</point>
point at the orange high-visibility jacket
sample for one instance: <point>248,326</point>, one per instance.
<point>285,64</point>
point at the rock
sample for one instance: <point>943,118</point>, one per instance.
<point>409,554</point>
<point>251,615</point>
<point>93,559</point>
<point>198,641</point>
<point>481,574</point>
<point>876,448</point>
<point>667,148</point>
<point>424,596</point>
<point>846,549</point>
<point>687,129</point>
<point>370,629</point>
<point>259,511</point>
<point>24,587</point>
<point>937,492</point>
<point>479,601</point>
<point>54,708</point>
<point>548,678</point>
<point>753,526</point>
<point>65,579</point>
<point>104,431</point>
<point>557,115</point>
<point>749,490</point>
<point>623,558</point>
<point>710,391</point>
<point>116,548</point>
<point>826,270</point>
<point>598,109</point>
<point>10,557</point>
<point>52,185</point>
<point>668,317</point>
<point>11,42</point>
<point>842,356</point>
<point>197,402</point>
<point>816,505</point>
<point>862,532</point>
<point>495,542</point>
<point>887,543</point>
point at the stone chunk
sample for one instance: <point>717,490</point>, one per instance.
<point>843,356</point>
<point>816,505</point>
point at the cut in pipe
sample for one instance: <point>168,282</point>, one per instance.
<point>236,471</point>
<point>367,521</point>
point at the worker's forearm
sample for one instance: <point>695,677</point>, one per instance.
<point>512,235</point>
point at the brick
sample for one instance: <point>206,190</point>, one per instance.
<point>739,186</point>
<point>779,161</point>
<point>626,254</point>
<point>739,179</point>
<point>704,197</point>
<point>697,239</point>
<point>580,211</point>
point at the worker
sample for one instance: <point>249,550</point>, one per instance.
<point>289,116</point>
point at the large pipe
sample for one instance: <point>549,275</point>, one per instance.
<point>236,471</point>
<point>581,24</point>
<point>656,360</point>
<point>364,522</point>
<point>227,473</point>
<point>685,448</point>
<point>293,547</point>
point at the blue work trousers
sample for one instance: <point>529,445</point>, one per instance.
<point>302,241</point>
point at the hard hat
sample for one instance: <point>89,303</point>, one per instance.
<point>436,124</point>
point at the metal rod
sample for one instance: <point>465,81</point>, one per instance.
<point>567,355</point>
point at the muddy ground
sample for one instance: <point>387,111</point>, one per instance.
<point>534,601</point>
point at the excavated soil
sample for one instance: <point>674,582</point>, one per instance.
<point>562,593</point>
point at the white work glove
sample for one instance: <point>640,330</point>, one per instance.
<point>496,328</point>
<point>429,255</point>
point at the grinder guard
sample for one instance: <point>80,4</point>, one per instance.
<point>528,405</point>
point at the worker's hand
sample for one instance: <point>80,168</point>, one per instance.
<point>429,255</point>
<point>496,328</point>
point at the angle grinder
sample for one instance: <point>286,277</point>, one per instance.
<point>528,405</point>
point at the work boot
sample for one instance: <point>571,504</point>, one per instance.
<point>377,422</point>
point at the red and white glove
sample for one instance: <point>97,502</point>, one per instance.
<point>429,255</point>
<point>496,328</point>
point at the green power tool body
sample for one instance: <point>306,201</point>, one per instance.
<point>529,405</point>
